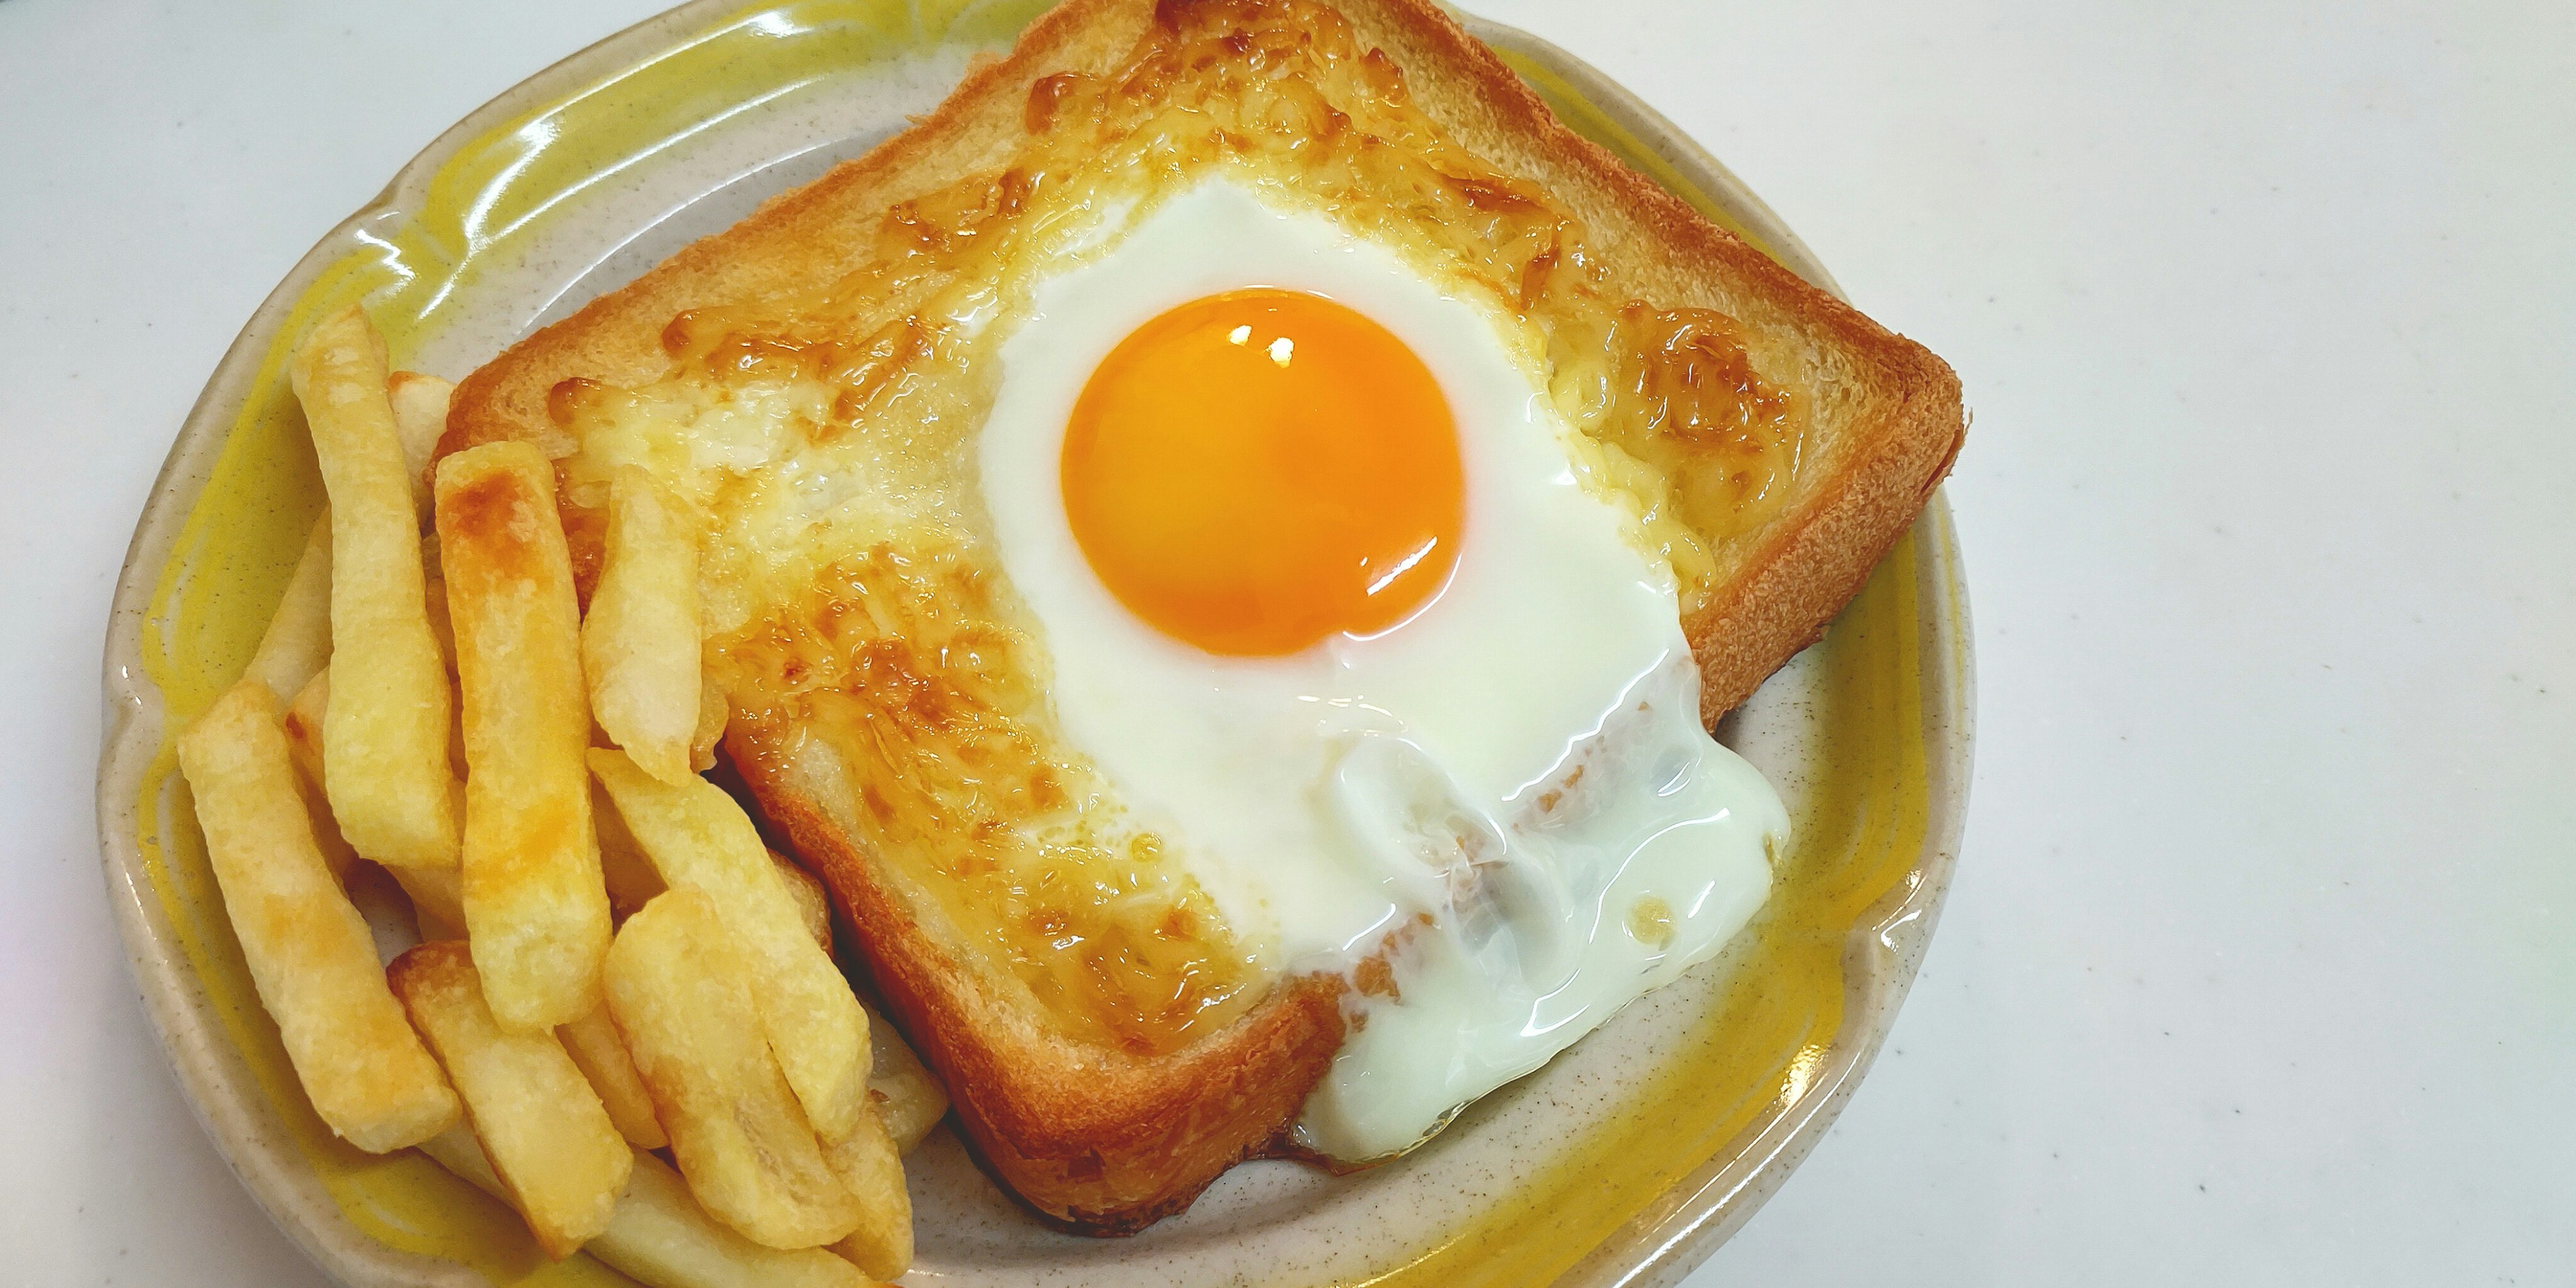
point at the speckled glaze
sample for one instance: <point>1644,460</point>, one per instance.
<point>1623,1162</point>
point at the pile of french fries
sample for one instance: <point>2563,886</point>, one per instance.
<point>614,971</point>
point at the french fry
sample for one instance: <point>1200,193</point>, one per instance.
<point>639,646</point>
<point>437,900</point>
<point>632,882</point>
<point>908,1099</point>
<point>297,644</point>
<point>867,1161</point>
<point>536,910</point>
<point>907,1095</point>
<point>714,713</point>
<point>302,726</point>
<point>441,627</point>
<point>434,892</point>
<point>594,1044</point>
<point>381,904</point>
<point>699,839</point>
<point>309,952</point>
<point>298,641</point>
<point>305,716</point>
<point>540,1125</point>
<point>420,417</point>
<point>388,772</point>
<point>680,992</point>
<point>664,1238</point>
<point>660,1237</point>
<point>813,902</point>
<point>446,635</point>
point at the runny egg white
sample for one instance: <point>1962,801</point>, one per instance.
<point>1465,769</point>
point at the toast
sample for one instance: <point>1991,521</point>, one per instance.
<point>1105,1134</point>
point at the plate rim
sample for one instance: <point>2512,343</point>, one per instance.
<point>1656,1248</point>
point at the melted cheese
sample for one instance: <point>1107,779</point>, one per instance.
<point>860,600</point>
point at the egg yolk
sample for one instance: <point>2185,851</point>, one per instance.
<point>1255,471</point>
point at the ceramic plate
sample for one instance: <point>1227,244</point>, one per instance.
<point>1623,1162</point>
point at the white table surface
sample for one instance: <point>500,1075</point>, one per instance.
<point>2257,969</point>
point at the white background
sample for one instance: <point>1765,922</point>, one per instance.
<point>2257,967</point>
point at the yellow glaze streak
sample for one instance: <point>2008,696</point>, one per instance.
<point>1859,835</point>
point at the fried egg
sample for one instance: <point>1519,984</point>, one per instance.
<point>1326,599</point>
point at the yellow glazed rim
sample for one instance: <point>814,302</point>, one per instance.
<point>1639,1202</point>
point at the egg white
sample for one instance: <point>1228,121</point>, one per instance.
<point>1322,799</point>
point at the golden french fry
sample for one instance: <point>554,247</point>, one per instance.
<point>813,902</point>
<point>680,991</point>
<point>909,1100</point>
<point>456,1150</point>
<point>594,1044</point>
<point>639,646</point>
<point>420,417</point>
<point>380,902</point>
<point>632,882</point>
<point>714,713</point>
<point>439,626</point>
<point>309,952</point>
<point>298,641</point>
<point>433,891</point>
<point>388,773</point>
<point>535,906</point>
<point>437,900</point>
<point>868,1163</point>
<point>303,729</point>
<point>660,1237</point>
<point>699,839</point>
<point>664,1238</point>
<point>305,716</point>
<point>540,1125</point>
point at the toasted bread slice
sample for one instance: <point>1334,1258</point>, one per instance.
<point>1106,1139</point>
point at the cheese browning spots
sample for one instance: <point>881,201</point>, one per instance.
<point>900,662</point>
<point>851,582</point>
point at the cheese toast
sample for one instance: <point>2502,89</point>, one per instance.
<point>1109,1054</point>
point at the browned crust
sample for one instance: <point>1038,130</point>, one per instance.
<point>1106,1143</point>
<point>810,235</point>
<point>1099,1141</point>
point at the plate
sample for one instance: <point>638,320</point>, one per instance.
<point>1625,1161</point>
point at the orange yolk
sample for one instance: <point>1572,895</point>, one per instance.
<point>1255,471</point>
